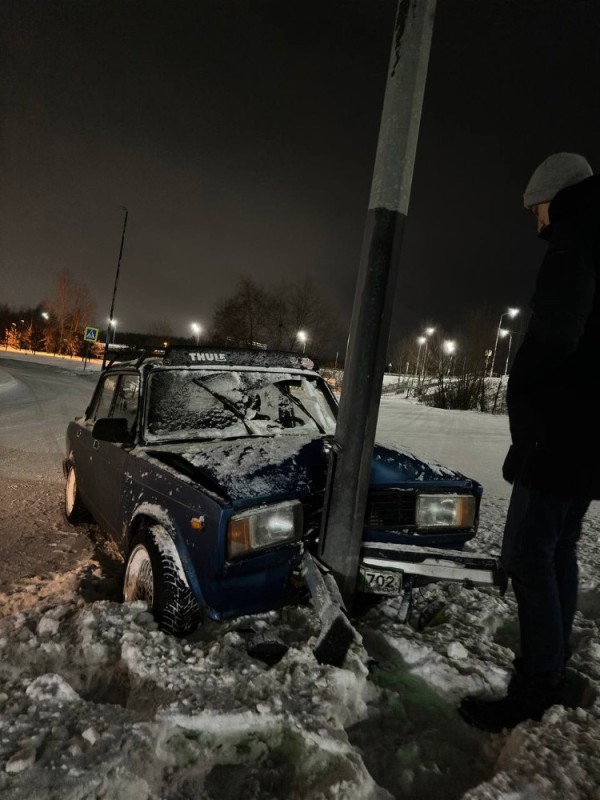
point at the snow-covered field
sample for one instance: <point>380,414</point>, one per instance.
<point>96,703</point>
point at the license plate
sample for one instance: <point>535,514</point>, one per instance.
<point>379,581</point>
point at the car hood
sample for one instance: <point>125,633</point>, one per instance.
<point>268,468</point>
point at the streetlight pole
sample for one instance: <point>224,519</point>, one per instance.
<point>428,332</point>
<point>352,450</point>
<point>112,305</point>
<point>504,333</point>
<point>420,341</point>
<point>512,313</point>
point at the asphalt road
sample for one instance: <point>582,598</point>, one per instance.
<point>36,403</point>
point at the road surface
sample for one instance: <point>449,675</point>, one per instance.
<point>36,402</point>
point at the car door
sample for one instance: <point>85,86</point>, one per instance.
<point>84,448</point>
<point>110,459</point>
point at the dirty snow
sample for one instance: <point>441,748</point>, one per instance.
<point>96,703</point>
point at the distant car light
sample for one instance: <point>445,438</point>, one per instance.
<point>261,528</point>
<point>445,511</point>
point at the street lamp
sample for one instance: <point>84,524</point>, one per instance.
<point>302,337</point>
<point>420,341</point>
<point>46,315</point>
<point>116,283</point>
<point>112,323</point>
<point>197,329</point>
<point>450,349</point>
<point>503,333</point>
<point>512,313</point>
<point>428,332</point>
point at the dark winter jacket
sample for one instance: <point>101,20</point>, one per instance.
<point>554,385</point>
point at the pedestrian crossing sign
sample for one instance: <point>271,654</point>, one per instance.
<point>90,335</point>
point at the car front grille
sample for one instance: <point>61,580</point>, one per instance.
<point>391,510</point>
<point>387,510</point>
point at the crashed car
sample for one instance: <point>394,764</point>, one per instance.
<point>208,468</point>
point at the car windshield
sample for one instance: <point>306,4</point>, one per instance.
<point>197,404</point>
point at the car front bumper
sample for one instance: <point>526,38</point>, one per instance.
<point>429,563</point>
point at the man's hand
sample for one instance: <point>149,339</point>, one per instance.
<point>515,461</point>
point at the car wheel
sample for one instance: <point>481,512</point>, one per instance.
<point>75,511</point>
<point>153,574</point>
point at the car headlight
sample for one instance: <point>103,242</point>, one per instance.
<point>260,528</point>
<point>445,511</point>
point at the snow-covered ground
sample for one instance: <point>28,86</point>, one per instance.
<point>96,703</point>
<point>72,363</point>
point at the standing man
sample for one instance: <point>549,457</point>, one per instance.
<point>554,461</point>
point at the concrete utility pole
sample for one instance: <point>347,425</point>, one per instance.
<point>352,451</point>
<point>112,305</point>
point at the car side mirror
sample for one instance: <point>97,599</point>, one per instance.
<point>113,429</point>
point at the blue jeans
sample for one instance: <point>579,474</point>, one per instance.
<point>539,553</point>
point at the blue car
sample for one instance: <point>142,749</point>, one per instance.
<point>208,469</point>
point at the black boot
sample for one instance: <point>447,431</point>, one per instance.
<point>527,698</point>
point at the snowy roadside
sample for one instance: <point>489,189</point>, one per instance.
<point>75,363</point>
<point>96,703</point>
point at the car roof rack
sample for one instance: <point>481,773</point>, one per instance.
<point>133,357</point>
<point>186,355</point>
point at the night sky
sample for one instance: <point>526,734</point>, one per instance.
<point>241,135</point>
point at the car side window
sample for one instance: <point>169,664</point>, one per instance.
<point>126,400</point>
<point>105,398</point>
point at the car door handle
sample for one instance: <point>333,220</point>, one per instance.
<point>96,444</point>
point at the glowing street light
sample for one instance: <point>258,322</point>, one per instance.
<point>512,313</point>
<point>112,323</point>
<point>503,333</point>
<point>428,332</point>
<point>420,341</point>
<point>46,315</point>
<point>302,337</point>
<point>197,329</point>
<point>449,347</point>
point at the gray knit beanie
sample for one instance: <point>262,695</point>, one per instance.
<point>555,173</point>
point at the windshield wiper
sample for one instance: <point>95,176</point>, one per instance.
<point>286,392</point>
<point>225,402</point>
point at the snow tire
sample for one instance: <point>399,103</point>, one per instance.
<point>154,575</point>
<point>75,510</point>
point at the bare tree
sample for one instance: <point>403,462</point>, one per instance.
<point>254,315</point>
<point>301,307</point>
<point>242,318</point>
<point>159,333</point>
<point>70,308</point>
<point>461,375</point>
<point>405,354</point>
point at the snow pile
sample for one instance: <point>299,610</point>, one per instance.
<point>96,702</point>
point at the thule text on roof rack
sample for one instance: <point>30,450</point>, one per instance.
<point>188,356</point>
